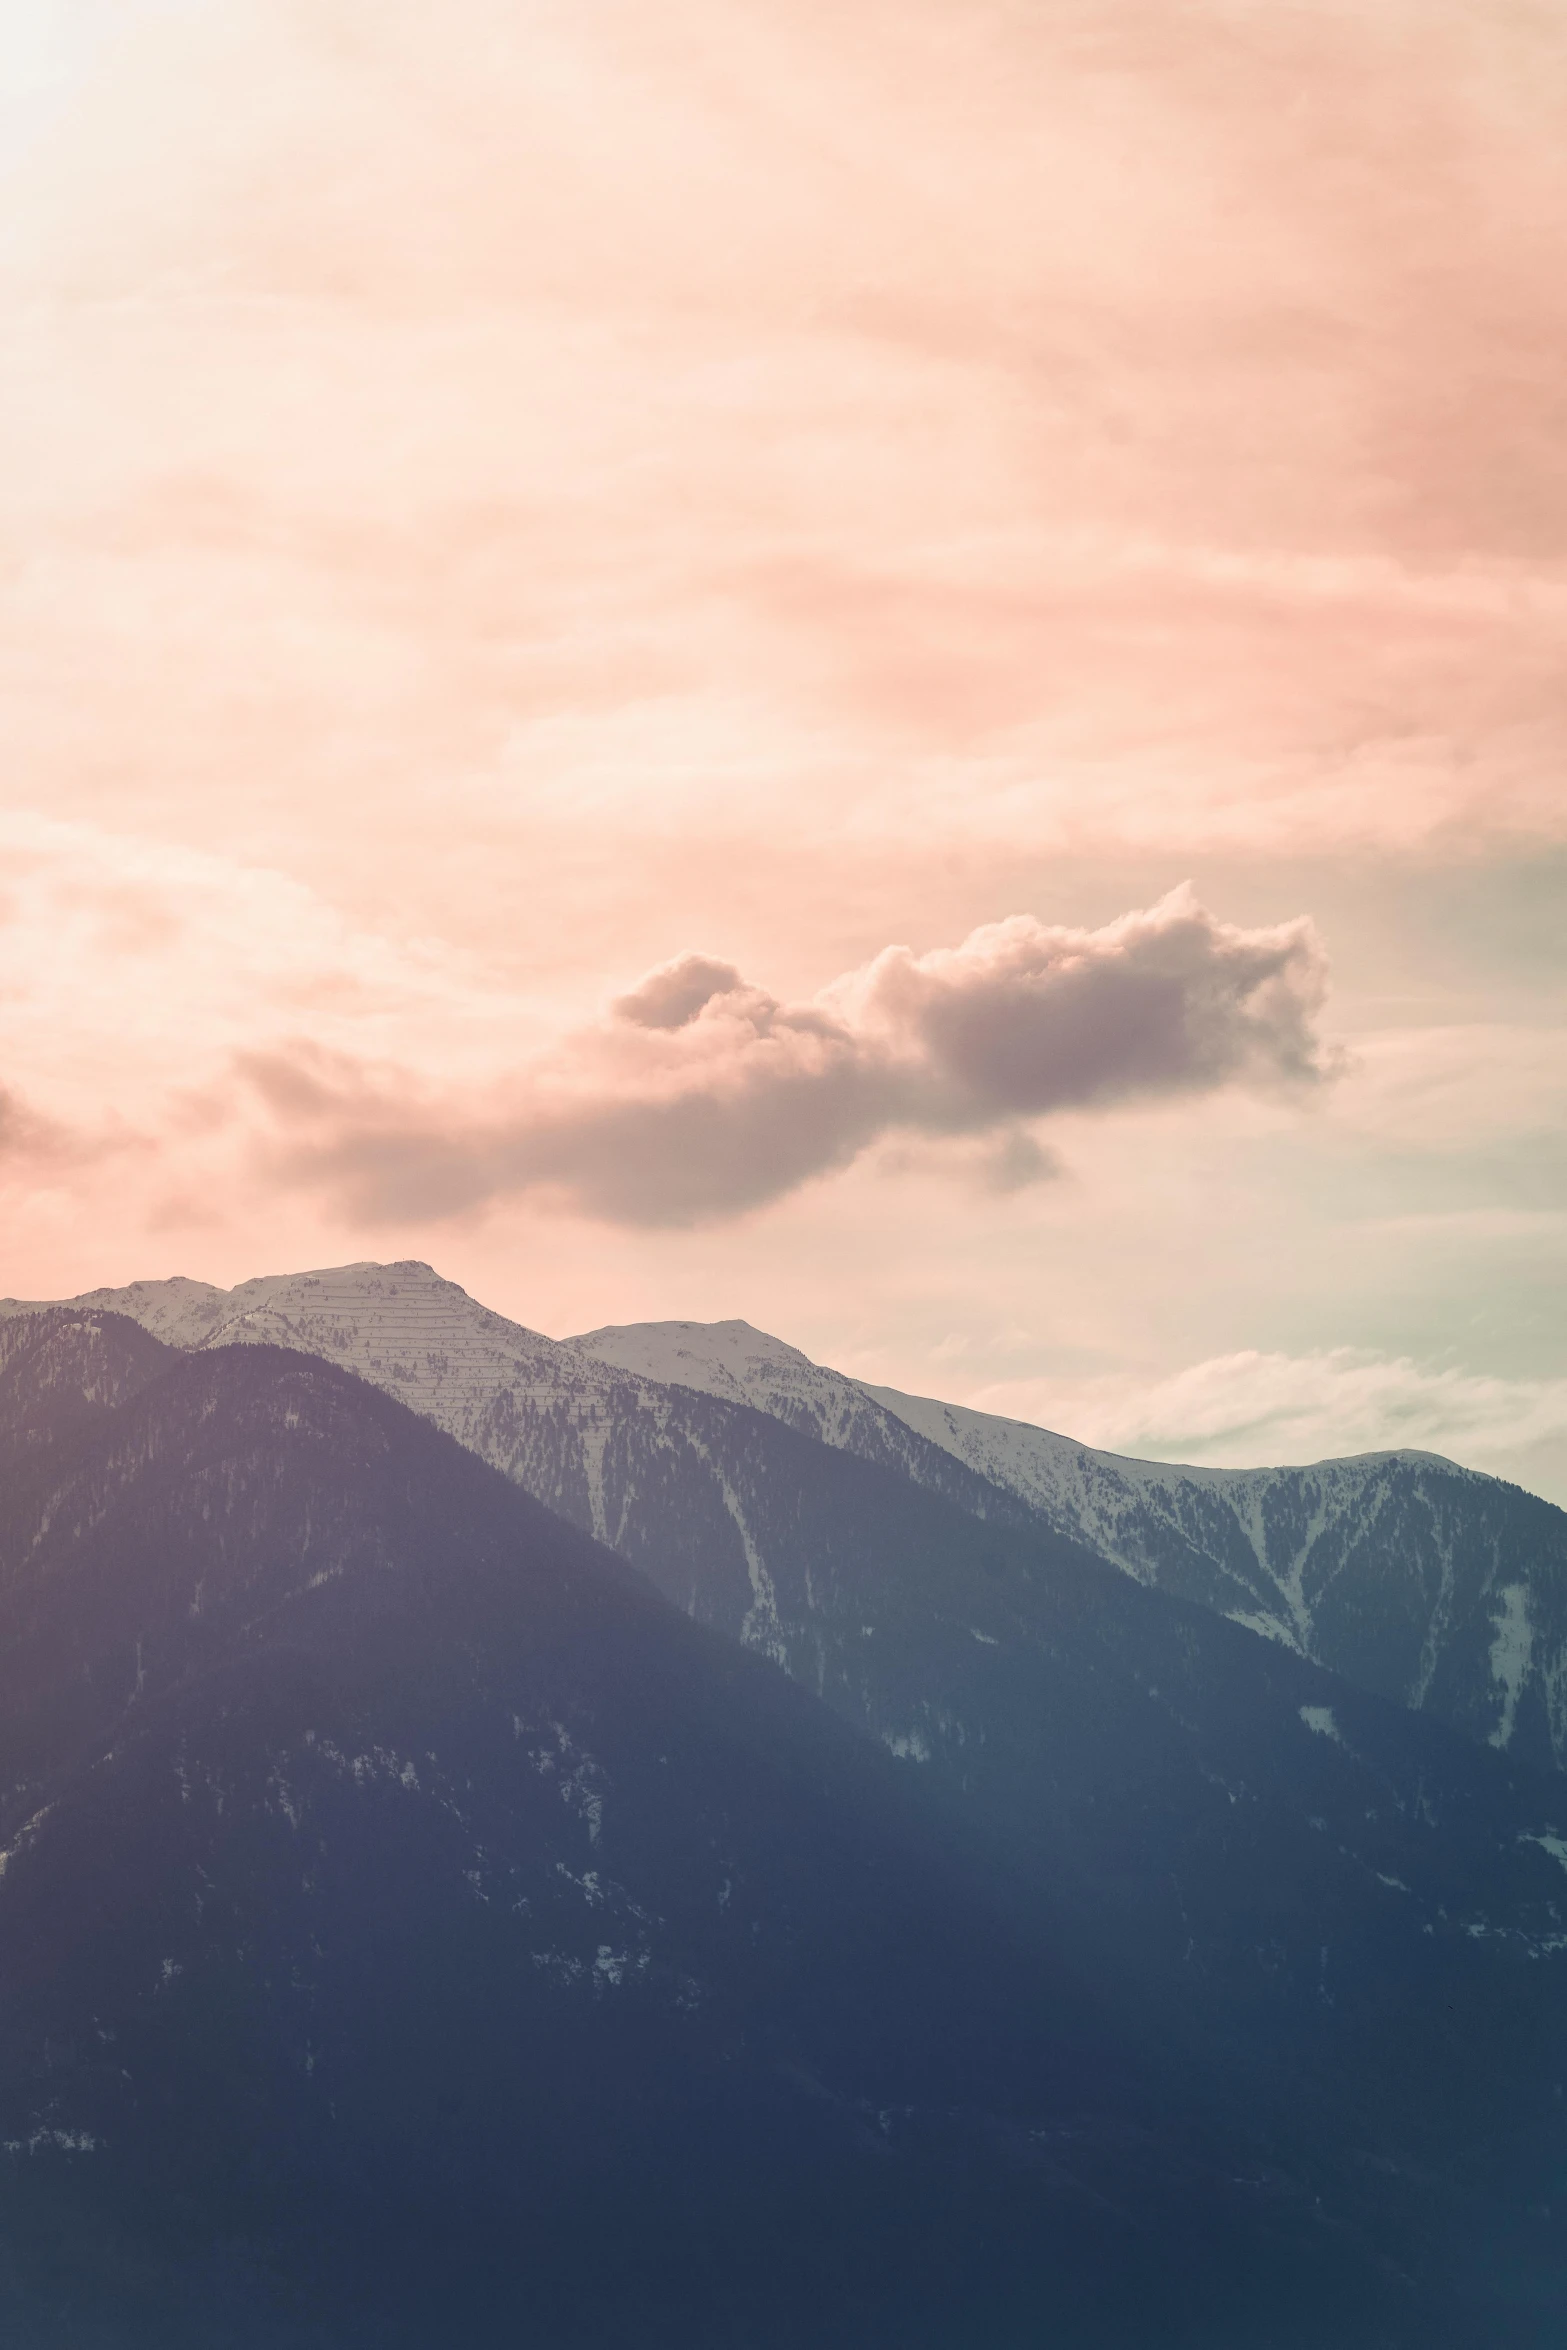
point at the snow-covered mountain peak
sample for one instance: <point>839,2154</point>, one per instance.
<point>401,1326</point>
<point>731,1359</point>
<point>749,1366</point>
<point>179,1311</point>
<point>264,1309</point>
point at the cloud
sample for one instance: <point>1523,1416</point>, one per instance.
<point>675,995</point>
<point>22,1133</point>
<point>1239,1410</point>
<point>131,966</point>
<point>703,1095</point>
<point>935,522</point>
<point>32,1143</point>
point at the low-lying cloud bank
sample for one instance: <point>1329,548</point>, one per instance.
<point>701,1095</point>
<point>1239,1410</point>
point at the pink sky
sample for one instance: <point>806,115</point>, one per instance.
<point>501,497</point>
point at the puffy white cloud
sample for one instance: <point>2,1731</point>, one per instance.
<point>703,1095</point>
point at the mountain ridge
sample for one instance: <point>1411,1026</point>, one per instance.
<point>1427,1583</point>
<point>1303,1556</point>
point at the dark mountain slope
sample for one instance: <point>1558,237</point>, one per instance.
<point>1356,1916</point>
<point>413,1931</point>
<point>67,1371</point>
<point>1423,1582</point>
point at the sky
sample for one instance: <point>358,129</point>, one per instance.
<point>894,669</point>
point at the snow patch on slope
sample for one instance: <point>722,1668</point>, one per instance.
<point>1510,1654</point>
<point>1553,1844</point>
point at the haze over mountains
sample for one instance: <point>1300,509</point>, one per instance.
<point>1109,1905</point>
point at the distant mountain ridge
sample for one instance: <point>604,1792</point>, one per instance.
<point>1421,1581</point>
<point>1428,1583</point>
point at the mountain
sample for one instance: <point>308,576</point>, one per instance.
<point>413,1930</point>
<point>1307,1884</point>
<point>1342,1925</point>
<point>589,1439</point>
<point>1418,1580</point>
